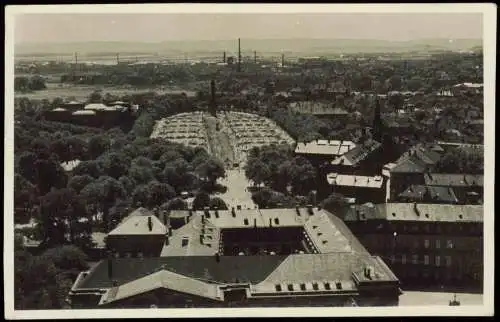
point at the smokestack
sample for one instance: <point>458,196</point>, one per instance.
<point>117,58</point>
<point>239,55</point>
<point>255,57</point>
<point>224,57</point>
<point>150,224</point>
<point>282,60</point>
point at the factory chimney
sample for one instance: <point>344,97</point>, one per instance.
<point>282,60</point>
<point>224,57</point>
<point>255,57</point>
<point>239,55</point>
<point>117,58</point>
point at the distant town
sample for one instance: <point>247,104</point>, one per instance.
<point>248,180</point>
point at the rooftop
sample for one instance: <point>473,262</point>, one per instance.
<point>316,108</point>
<point>95,106</point>
<point>453,180</point>
<point>416,212</point>
<point>205,276</point>
<point>354,181</point>
<point>357,154</point>
<point>423,192</point>
<point>325,147</point>
<point>326,231</point>
<point>137,224</point>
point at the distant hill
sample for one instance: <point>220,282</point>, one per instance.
<point>262,46</point>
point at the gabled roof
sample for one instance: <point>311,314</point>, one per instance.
<point>358,154</point>
<point>423,192</point>
<point>137,224</point>
<point>161,279</point>
<point>417,212</point>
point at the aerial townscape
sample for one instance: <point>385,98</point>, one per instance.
<point>249,178</point>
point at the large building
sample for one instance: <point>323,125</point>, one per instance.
<point>260,257</point>
<point>426,245</point>
<point>94,114</point>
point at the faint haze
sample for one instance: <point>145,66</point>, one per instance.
<point>57,28</point>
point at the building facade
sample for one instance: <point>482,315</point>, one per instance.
<point>426,245</point>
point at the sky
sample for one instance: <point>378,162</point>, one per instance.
<point>54,28</point>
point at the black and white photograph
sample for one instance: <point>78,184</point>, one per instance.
<point>216,160</point>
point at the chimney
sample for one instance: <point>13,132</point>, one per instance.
<point>282,60</point>
<point>150,223</point>
<point>239,55</point>
<point>233,212</point>
<point>164,216</point>
<point>270,222</point>
<point>255,57</point>
<point>224,57</point>
<point>416,209</point>
<point>207,212</point>
<point>255,222</point>
<point>297,210</point>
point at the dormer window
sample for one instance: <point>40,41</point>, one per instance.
<point>290,287</point>
<point>327,286</point>
<point>278,287</point>
<point>303,287</point>
<point>315,286</point>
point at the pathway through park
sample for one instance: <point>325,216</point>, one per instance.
<point>221,141</point>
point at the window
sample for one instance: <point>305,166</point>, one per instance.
<point>185,242</point>
<point>278,287</point>
<point>426,243</point>
<point>449,244</point>
<point>448,260</point>
<point>414,259</point>
<point>426,259</point>
<point>327,286</point>
<point>315,286</point>
<point>303,287</point>
<point>403,259</point>
<point>438,243</point>
<point>290,287</point>
<point>276,221</point>
<point>438,261</point>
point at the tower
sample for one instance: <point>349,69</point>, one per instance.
<point>377,122</point>
<point>282,60</point>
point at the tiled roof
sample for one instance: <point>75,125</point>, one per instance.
<point>325,147</point>
<point>423,192</point>
<point>245,269</point>
<point>316,108</point>
<point>358,154</point>
<point>354,181</point>
<point>453,180</point>
<point>137,224</point>
<point>161,279</point>
<point>418,212</point>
